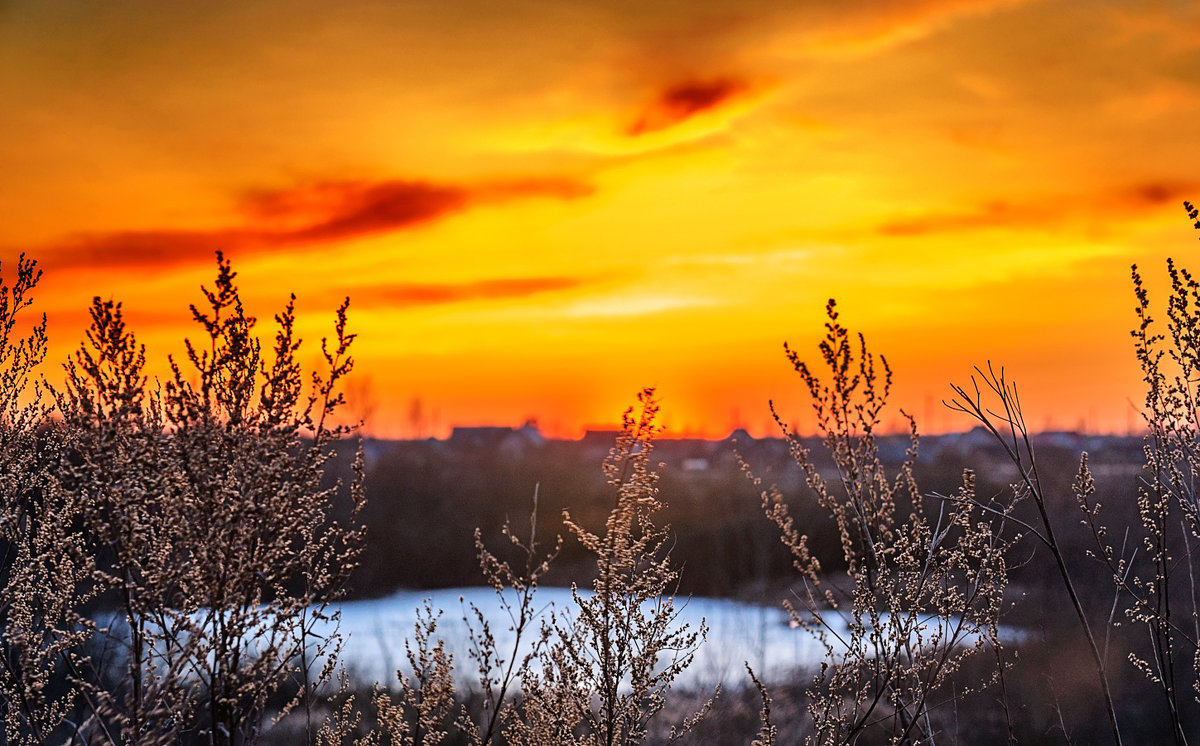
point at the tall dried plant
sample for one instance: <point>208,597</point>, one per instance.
<point>1004,419</point>
<point>1162,595</point>
<point>121,471</point>
<point>596,673</point>
<point>920,592</point>
<point>1159,590</point>
<point>500,671</point>
<point>610,662</point>
<point>44,568</point>
<point>208,496</point>
<point>427,711</point>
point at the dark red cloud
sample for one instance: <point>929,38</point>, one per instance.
<point>1155,193</point>
<point>403,295</point>
<point>683,101</point>
<point>355,209</point>
<point>310,214</point>
<point>153,248</point>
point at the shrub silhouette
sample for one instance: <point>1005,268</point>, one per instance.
<point>608,666</point>
<point>44,566</point>
<point>919,593</point>
<point>206,499</point>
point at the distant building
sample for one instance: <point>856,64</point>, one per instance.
<point>521,440</point>
<point>511,441</point>
<point>742,436</point>
<point>1067,439</point>
<point>479,437</point>
<point>606,438</point>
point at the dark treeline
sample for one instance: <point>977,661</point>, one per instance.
<point>426,498</point>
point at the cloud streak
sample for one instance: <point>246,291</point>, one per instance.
<point>407,295</point>
<point>1127,202</point>
<point>872,27</point>
<point>277,220</point>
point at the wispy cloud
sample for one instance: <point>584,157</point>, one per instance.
<point>309,214</point>
<point>990,215</point>
<point>631,305</point>
<point>1130,201</point>
<point>405,295</point>
<point>870,27</point>
<point>750,259</point>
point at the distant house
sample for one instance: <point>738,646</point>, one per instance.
<point>1066,439</point>
<point>604,438</point>
<point>479,437</point>
<point>521,440</point>
<point>977,438</point>
<point>512,441</point>
<point>742,436</point>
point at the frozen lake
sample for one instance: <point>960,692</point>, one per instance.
<point>375,632</point>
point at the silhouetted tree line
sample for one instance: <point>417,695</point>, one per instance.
<point>425,498</point>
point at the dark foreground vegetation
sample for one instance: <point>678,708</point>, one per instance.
<point>171,555</point>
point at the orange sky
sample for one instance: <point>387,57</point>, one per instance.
<point>539,208</point>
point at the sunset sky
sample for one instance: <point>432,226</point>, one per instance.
<point>539,208</point>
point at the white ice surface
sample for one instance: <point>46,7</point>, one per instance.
<point>374,634</point>
<point>376,631</point>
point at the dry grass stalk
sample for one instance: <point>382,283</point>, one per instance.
<point>609,664</point>
<point>1158,591</point>
<point>208,496</point>
<point>500,672</point>
<point>426,713</point>
<point>1006,423</point>
<point>44,568</point>
<point>920,593</point>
